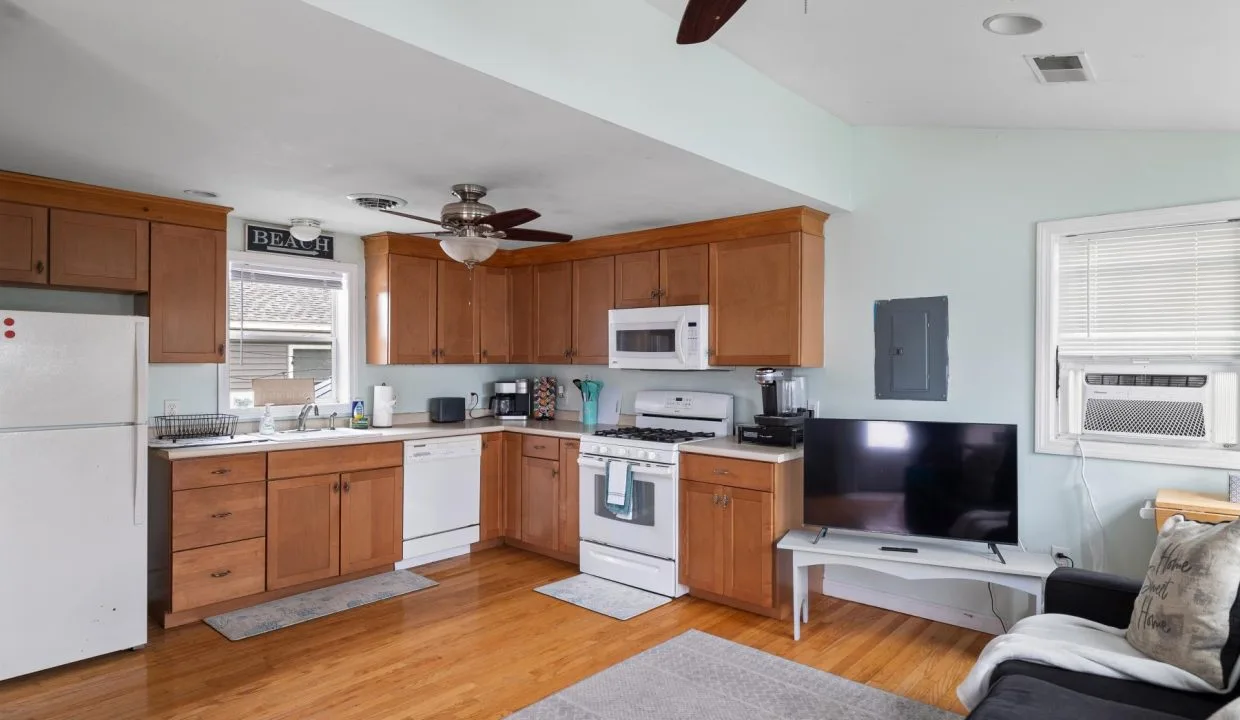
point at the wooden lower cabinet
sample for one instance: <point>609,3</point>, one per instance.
<point>728,534</point>
<point>371,519</point>
<point>540,503</point>
<point>217,573</point>
<point>570,498</point>
<point>303,530</point>
<point>492,512</point>
<point>513,463</point>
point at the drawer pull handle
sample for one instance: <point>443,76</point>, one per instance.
<point>221,573</point>
<point>222,515</point>
<point>721,471</point>
<point>540,447</point>
<point>221,471</point>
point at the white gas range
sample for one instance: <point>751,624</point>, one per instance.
<point>640,547</point>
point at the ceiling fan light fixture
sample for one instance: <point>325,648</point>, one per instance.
<point>469,250</point>
<point>305,229</point>
<point>1012,24</point>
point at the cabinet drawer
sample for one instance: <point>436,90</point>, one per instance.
<point>217,573</point>
<point>728,471</point>
<point>538,446</point>
<point>338,459</point>
<point>210,516</point>
<point>214,471</point>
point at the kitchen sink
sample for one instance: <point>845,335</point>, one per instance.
<point>317,434</point>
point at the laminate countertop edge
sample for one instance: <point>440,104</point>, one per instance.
<point>569,429</point>
<point>729,447</point>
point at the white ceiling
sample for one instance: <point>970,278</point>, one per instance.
<point>1160,64</point>
<point>284,109</point>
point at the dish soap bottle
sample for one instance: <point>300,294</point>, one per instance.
<point>268,425</point>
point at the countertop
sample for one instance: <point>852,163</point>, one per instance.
<point>413,431</point>
<point>729,447</point>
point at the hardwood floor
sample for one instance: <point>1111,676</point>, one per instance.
<point>480,645</point>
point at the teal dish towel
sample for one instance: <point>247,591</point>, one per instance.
<point>616,470</point>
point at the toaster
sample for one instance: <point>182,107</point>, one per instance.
<point>447,409</point>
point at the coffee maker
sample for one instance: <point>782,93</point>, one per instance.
<point>784,410</point>
<point>510,400</point>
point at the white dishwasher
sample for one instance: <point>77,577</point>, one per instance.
<point>443,479</point>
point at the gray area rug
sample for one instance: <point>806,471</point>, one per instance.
<point>696,675</point>
<point>603,596</point>
<point>251,621</point>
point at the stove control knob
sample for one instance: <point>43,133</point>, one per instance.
<point>621,452</point>
<point>602,449</point>
<point>592,448</point>
<point>652,455</point>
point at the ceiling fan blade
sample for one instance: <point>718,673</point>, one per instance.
<point>703,18</point>
<point>412,217</point>
<point>509,218</point>
<point>536,235</point>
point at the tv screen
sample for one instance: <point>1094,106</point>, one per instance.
<point>937,479</point>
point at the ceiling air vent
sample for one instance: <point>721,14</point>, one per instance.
<point>1061,68</point>
<point>375,201</point>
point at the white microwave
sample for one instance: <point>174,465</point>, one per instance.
<point>659,338</point>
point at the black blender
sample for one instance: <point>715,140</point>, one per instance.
<point>784,410</point>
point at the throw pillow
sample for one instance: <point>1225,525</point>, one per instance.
<point>1188,611</point>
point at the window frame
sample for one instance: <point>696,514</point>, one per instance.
<point>348,362</point>
<point>1047,437</point>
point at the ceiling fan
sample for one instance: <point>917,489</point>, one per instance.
<point>703,18</point>
<point>474,229</point>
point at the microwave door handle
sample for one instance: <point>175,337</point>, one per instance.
<point>682,333</point>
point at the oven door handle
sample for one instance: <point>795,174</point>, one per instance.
<point>659,470</point>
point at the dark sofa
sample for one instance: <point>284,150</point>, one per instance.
<point>1025,691</point>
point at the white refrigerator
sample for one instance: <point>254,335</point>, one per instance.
<point>73,493</point>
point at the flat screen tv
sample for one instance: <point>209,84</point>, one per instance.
<point>935,479</point>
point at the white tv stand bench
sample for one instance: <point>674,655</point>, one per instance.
<point>1022,570</point>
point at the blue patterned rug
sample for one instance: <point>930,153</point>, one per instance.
<point>603,596</point>
<point>251,621</point>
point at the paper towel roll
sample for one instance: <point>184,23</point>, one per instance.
<point>384,406</point>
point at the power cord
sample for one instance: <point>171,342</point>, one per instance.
<point>1065,556</point>
<point>1100,562</point>
<point>473,398</point>
<point>990,589</point>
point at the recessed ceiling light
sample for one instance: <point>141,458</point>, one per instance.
<point>1012,24</point>
<point>201,193</point>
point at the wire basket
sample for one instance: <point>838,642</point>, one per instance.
<point>181,427</point>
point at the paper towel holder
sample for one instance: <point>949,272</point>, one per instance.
<point>384,407</point>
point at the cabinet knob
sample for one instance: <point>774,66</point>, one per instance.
<point>221,573</point>
<point>336,486</point>
<point>220,350</point>
<point>555,473</point>
<point>660,292</point>
<point>38,268</point>
<point>347,486</point>
<point>654,293</point>
<point>222,515</point>
<point>715,498</point>
<point>484,354</point>
<point>725,501</point>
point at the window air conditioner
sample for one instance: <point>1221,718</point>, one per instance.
<point>1181,405</point>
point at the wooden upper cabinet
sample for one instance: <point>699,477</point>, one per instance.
<point>492,509</point>
<point>684,275</point>
<point>766,301</point>
<point>492,316</point>
<point>188,301</point>
<point>23,243</point>
<point>99,251</point>
<point>749,537</point>
<point>457,342</point>
<point>637,280</point>
<point>521,313</point>
<point>553,312</point>
<point>593,296</point>
<point>371,519</point>
<point>570,498</point>
<point>401,300</point>
<point>303,530</point>
<point>540,502</point>
<point>702,549</point>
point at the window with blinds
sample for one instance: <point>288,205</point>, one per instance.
<point>1171,292</point>
<point>285,335</point>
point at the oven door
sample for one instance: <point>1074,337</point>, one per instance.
<point>665,338</point>
<point>651,529</point>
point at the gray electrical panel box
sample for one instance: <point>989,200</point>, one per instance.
<point>910,349</point>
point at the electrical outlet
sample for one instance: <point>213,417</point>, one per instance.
<point>172,407</point>
<point>1056,551</point>
<point>561,392</point>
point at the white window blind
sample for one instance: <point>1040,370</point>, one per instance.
<point>1160,292</point>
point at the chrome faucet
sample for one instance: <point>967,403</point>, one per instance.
<point>305,410</point>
